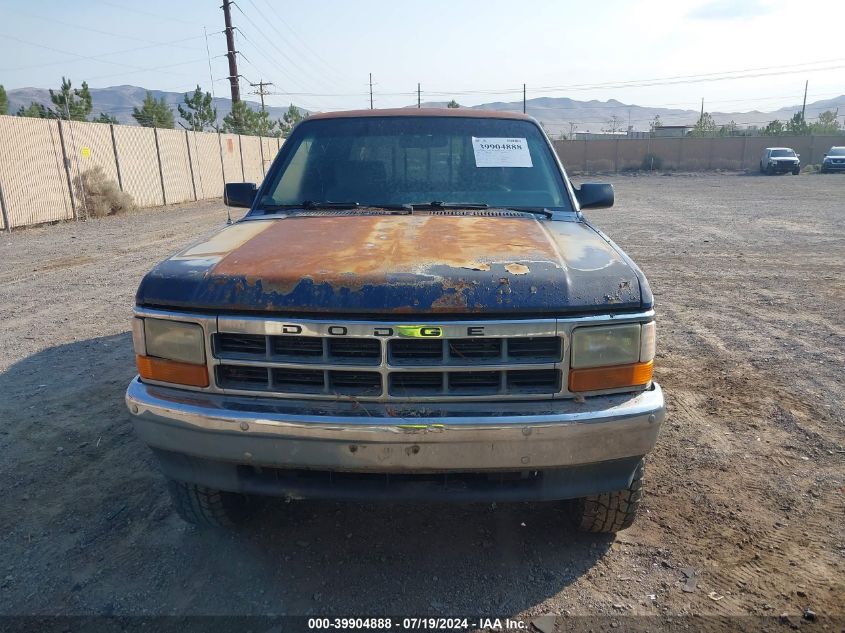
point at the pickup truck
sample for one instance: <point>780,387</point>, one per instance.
<point>413,309</point>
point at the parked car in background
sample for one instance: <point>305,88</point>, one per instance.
<point>834,160</point>
<point>780,160</point>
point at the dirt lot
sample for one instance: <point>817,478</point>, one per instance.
<point>746,486</point>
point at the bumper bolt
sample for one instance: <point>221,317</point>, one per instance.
<point>134,408</point>
<point>244,426</point>
<point>652,418</point>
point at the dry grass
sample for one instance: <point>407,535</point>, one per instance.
<point>99,195</point>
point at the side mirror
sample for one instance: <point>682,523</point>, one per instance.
<point>239,194</point>
<point>595,195</point>
<point>798,155</point>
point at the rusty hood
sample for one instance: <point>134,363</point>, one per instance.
<point>388,264</point>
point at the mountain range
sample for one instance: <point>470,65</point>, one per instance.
<point>558,114</point>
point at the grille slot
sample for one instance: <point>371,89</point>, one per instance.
<point>299,380</point>
<point>416,383</point>
<point>533,381</point>
<point>236,377</point>
<point>358,349</point>
<point>231,344</point>
<point>475,348</point>
<point>546,348</point>
<point>294,346</point>
<point>355,382</point>
<point>416,351</point>
<point>474,382</point>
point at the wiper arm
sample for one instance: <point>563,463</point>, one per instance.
<point>310,205</point>
<point>438,204</point>
<point>535,210</point>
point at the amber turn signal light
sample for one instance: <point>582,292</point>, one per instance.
<point>598,378</point>
<point>172,371</point>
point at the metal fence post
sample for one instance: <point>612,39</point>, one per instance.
<point>222,162</point>
<point>191,164</point>
<point>160,169</point>
<point>585,155</point>
<point>66,162</point>
<point>744,148</point>
<point>616,157</point>
<point>116,159</point>
<point>241,152</point>
<point>3,210</point>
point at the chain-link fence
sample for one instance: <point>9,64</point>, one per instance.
<point>41,161</point>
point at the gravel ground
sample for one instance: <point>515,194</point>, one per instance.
<point>745,491</point>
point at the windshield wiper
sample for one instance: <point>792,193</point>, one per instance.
<point>438,204</point>
<point>310,205</point>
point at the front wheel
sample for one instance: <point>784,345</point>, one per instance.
<point>611,511</point>
<point>796,171</point>
<point>208,507</point>
<point>770,170</point>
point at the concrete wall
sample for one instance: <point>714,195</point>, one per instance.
<point>688,153</point>
<point>41,160</point>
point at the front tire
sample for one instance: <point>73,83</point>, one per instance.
<point>207,507</point>
<point>611,511</point>
<point>770,170</point>
<point>796,171</point>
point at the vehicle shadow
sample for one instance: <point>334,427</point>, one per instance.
<point>85,490</point>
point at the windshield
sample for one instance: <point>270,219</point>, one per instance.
<point>836,151</point>
<point>381,161</point>
<point>783,153</point>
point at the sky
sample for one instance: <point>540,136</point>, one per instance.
<point>319,54</point>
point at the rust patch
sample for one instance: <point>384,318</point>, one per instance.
<point>517,269</point>
<point>352,252</point>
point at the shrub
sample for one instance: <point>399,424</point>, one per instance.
<point>99,195</point>
<point>651,163</point>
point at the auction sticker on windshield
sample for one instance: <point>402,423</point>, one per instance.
<point>501,152</point>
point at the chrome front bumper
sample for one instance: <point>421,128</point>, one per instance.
<point>384,438</point>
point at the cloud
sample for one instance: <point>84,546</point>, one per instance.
<point>730,10</point>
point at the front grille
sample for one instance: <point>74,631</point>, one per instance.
<point>374,362</point>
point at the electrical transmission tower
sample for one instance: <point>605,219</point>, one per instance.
<point>261,92</point>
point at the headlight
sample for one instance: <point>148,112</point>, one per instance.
<point>170,351</point>
<point>611,356</point>
<point>174,340</point>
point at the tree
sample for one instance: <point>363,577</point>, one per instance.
<point>827,123</point>
<point>729,129</point>
<point>199,112</point>
<point>241,120</point>
<point>289,120</point>
<point>4,101</point>
<point>106,118</point>
<point>797,125</point>
<point>453,104</point>
<point>154,113</point>
<point>655,123</point>
<point>705,126</point>
<point>72,103</point>
<point>36,111</point>
<point>774,128</point>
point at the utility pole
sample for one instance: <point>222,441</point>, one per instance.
<point>231,52</point>
<point>371,91</point>
<point>419,102</point>
<point>702,109</point>
<point>804,107</point>
<point>261,92</point>
<point>524,104</point>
